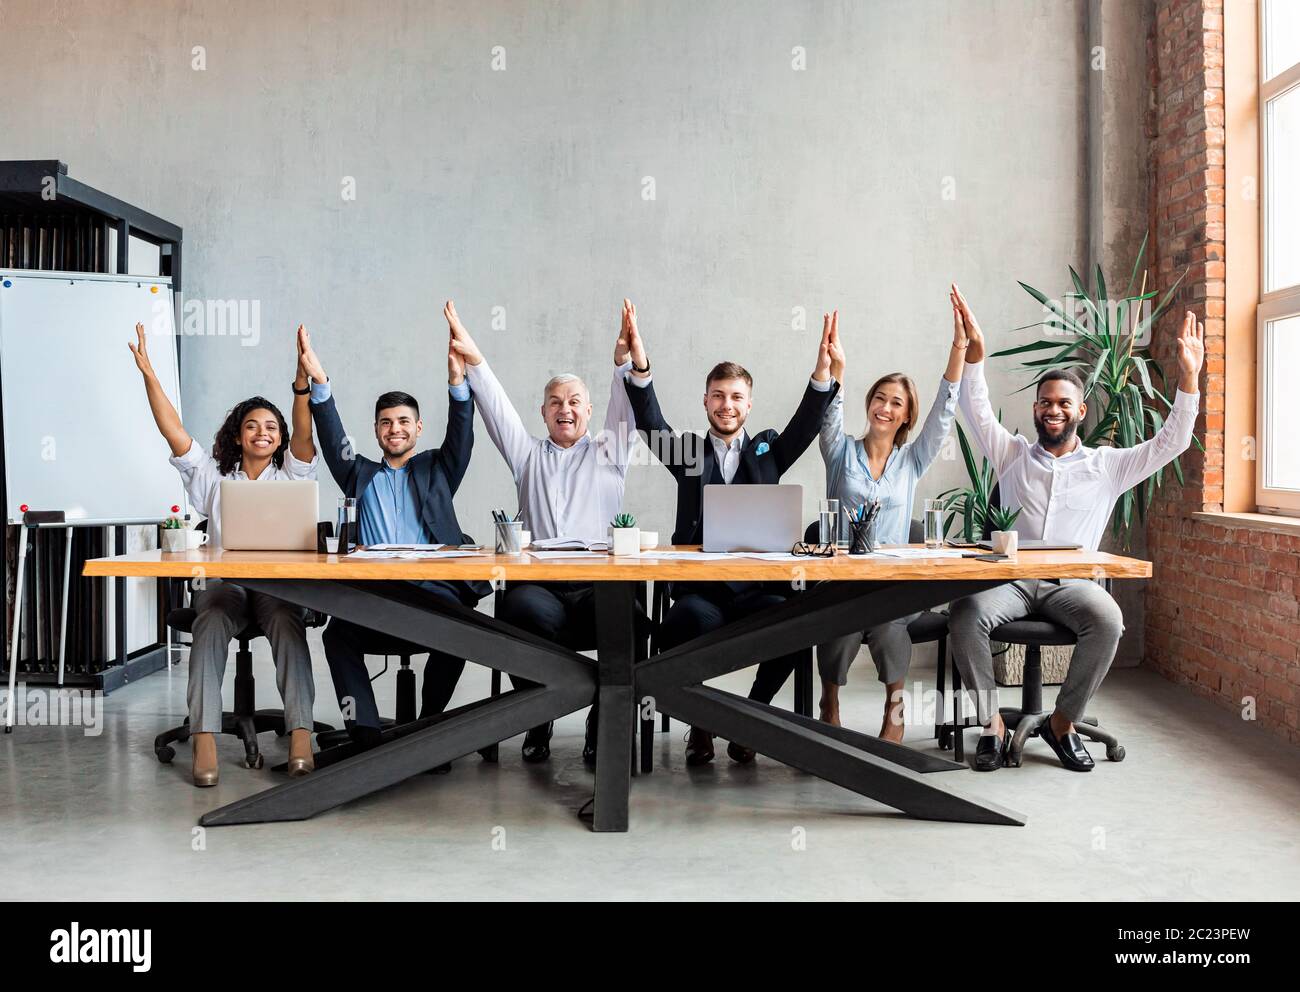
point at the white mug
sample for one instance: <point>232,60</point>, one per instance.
<point>195,539</point>
<point>525,539</point>
<point>1006,542</point>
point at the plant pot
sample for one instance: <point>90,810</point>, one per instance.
<point>172,539</point>
<point>626,541</point>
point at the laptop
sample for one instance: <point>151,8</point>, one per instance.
<point>1034,544</point>
<point>752,517</point>
<point>268,516</point>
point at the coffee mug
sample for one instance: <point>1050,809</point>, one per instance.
<point>195,539</point>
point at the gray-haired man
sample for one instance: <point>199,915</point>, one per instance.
<point>570,486</point>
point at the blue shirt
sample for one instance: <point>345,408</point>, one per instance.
<point>848,477</point>
<point>389,513</point>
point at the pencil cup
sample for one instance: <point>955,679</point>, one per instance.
<point>509,533</point>
<point>864,537</point>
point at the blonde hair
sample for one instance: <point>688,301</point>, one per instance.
<point>909,387</point>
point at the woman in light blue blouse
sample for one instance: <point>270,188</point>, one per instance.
<point>882,464</point>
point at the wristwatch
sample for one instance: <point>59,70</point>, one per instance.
<point>641,371</point>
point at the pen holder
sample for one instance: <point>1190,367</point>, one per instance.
<point>864,537</point>
<point>508,536</point>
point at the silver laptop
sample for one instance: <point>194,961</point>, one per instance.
<point>752,517</point>
<point>268,516</point>
<point>1035,544</point>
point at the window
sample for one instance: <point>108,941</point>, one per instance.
<point>1278,455</point>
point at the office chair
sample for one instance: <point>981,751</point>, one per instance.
<point>245,721</point>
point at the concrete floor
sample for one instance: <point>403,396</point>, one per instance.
<point>1204,807</point>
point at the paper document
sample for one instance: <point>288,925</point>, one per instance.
<point>404,547</point>
<point>914,553</point>
<point>687,555</point>
<point>569,544</point>
<point>370,553</point>
<point>553,555</point>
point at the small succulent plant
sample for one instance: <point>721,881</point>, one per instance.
<point>623,520</point>
<point>1002,518</point>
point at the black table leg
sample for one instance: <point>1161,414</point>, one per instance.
<point>616,638</point>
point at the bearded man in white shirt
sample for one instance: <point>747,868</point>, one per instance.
<point>1065,492</point>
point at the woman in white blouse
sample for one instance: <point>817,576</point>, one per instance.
<point>253,443</point>
<point>882,464</point>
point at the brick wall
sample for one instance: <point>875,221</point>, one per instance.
<point>1221,608</point>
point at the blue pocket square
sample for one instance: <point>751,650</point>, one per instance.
<point>762,449</point>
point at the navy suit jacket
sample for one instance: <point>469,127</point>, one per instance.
<point>434,475</point>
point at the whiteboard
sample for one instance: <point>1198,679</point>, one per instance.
<point>78,433</point>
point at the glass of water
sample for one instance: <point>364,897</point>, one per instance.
<point>828,521</point>
<point>346,528</point>
<point>934,523</point>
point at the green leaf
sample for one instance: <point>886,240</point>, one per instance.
<point>1137,265</point>
<point>1032,346</point>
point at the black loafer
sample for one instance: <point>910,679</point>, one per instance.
<point>589,742</point>
<point>537,743</point>
<point>740,754</point>
<point>990,752</point>
<point>1070,750</point>
<point>699,748</point>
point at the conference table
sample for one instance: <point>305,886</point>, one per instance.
<point>835,596</point>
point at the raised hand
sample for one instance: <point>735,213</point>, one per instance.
<point>629,344</point>
<point>822,371</point>
<point>1191,354</point>
<point>461,342</point>
<point>455,366</point>
<point>836,350</point>
<point>141,352</point>
<point>974,336</point>
<point>309,366</point>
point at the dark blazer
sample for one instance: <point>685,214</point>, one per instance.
<point>434,475</point>
<point>693,463</point>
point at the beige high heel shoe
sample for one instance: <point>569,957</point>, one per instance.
<point>204,768</point>
<point>301,761</point>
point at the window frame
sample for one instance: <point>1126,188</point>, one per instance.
<point>1277,303</point>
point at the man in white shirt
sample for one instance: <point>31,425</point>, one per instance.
<point>1065,492</point>
<point>570,486</point>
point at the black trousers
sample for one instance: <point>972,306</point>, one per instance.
<point>701,607</point>
<point>563,612</point>
<point>347,644</point>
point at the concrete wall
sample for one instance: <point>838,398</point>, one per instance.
<point>923,142</point>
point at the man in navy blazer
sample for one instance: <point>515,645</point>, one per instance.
<point>404,498</point>
<point>726,454</point>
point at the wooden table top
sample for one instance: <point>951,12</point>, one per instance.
<point>217,563</point>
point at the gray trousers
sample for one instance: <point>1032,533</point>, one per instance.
<point>223,610</point>
<point>889,644</point>
<point>1080,605</point>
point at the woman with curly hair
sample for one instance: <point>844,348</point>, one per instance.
<point>252,443</point>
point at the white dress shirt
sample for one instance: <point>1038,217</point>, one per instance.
<point>570,492</point>
<point>1068,499</point>
<point>202,478</point>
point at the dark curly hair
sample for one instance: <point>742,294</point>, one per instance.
<point>225,446</point>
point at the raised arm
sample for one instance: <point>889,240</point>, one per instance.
<point>995,441</point>
<point>1132,465</point>
<point>619,434</point>
<point>822,389</point>
<point>674,451</point>
<point>500,417</point>
<point>164,414</point>
<point>335,444</point>
<point>301,444</point>
<point>458,443</point>
<point>832,428</point>
<point>938,422</point>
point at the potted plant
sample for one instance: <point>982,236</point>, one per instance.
<point>173,532</point>
<point>626,536</point>
<point>1002,520</point>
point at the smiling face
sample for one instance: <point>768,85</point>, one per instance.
<point>888,410</point>
<point>727,403</point>
<point>1058,410</point>
<point>259,434</point>
<point>566,410</point>
<point>397,428</point>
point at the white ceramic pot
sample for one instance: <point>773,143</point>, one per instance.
<point>627,540</point>
<point>1006,542</point>
<point>173,538</point>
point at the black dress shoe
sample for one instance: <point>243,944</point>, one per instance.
<point>537,743</point>
<point>739,754</point>
<point>990,752</point>
<point>1069,749</point>
<point>589,742</point>
<point>699,748</point>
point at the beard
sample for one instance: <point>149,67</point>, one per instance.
<point>719,429</point>
<point>1049,440</point>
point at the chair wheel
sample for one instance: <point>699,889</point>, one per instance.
<point>165,754</point>
<point>945,739</point>
<point>1115,752</point>
<point>256,762</point>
